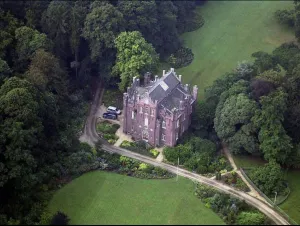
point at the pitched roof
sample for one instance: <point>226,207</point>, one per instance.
<point>164,86</point>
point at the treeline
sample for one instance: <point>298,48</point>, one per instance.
<point>255,110</point>
<point>50,54</point>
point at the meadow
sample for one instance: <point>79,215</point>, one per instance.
<point>233,30</point>
<point>108,198</point>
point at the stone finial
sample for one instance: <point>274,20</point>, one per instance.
<point>137,82</point>
<point>133,79</point>
<point>186,87</point>
<point>156,78</point>
<point>172,69</point>
<point>179,78</point>
<point>164,71</point>
<point>195,91</point>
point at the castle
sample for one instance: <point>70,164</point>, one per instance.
<point>158,111</point>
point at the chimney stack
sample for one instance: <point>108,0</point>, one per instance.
<point>179,78</point>
<point>164,71</point>
<point>172,69</point>
<point>156,78</point>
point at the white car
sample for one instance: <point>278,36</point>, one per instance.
<point>112,109</point>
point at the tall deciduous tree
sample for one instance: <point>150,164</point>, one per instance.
<point>101,27</point>
<point>46,74</point>
<point>274,142</point>
<point>56,24</point>
<point>28,41</point>
<point>134,57</point>
<point>141,16</point>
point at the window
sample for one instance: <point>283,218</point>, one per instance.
<point>146,110</point>
<point>152,112</point>
<point>164,124</point>
<point>176,136</point>
<point>183,116</point>
<point>141,109</point>
<point>146,121</point>
<point>132,128</point>
<point>163,137</point>
<point>132,114</point>
<point>177,123</point>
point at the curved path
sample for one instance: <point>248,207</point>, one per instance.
<point>90,135</point>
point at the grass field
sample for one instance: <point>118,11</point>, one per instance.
<point>247,161</point>
<point>108,198</point>
<point>233,30</point>
<point>292,205</point>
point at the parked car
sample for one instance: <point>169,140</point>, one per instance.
<point>109,115</point>
<point>112,109</point>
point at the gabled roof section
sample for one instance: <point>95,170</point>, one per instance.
<point>164,86</point>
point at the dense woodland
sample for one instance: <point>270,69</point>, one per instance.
<point>50,54</point>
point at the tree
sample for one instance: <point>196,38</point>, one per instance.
<point>28,41</point>
<point>20,131</point>
<point>286,17</point>
<point>60,218</point>
<point>78,14</point>
<point>274,142</point>
<point>244,140</point>
<point>101,27</point>
<point>263,61</point>
<point>7,31</point>
<point>166,19</point>
<point>236,112</point>
<point>261,87</point>
<point>134,57</point>
<point>46,74</point>
<point>5,71</point>
<point>250,218</point>
<point>56,24</point>
<point>142,16</point>
<point>268,178</point>
<point>297,21</point>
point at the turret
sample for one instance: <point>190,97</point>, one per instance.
<point>195,91</point>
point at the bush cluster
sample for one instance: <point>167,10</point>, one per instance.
<point>197,154</point>
<point>181,58</point>
<point>107,130</point>
<point>140,147</point>
<point>131,167</point>
<point>234,180</point>
<point>231,210</point>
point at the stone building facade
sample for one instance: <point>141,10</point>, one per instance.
<point>158,111</point>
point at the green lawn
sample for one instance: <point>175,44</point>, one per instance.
<point>233,30</point>
<point>108,198</point>
<point>247,161</point>
<point>292,205</point>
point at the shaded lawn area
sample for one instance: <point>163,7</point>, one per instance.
<point>108,198</point>
<point>292,205</point>
<point>248,161</point>
<point>233,30</point>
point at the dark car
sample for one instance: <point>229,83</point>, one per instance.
<point>109,115</point>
